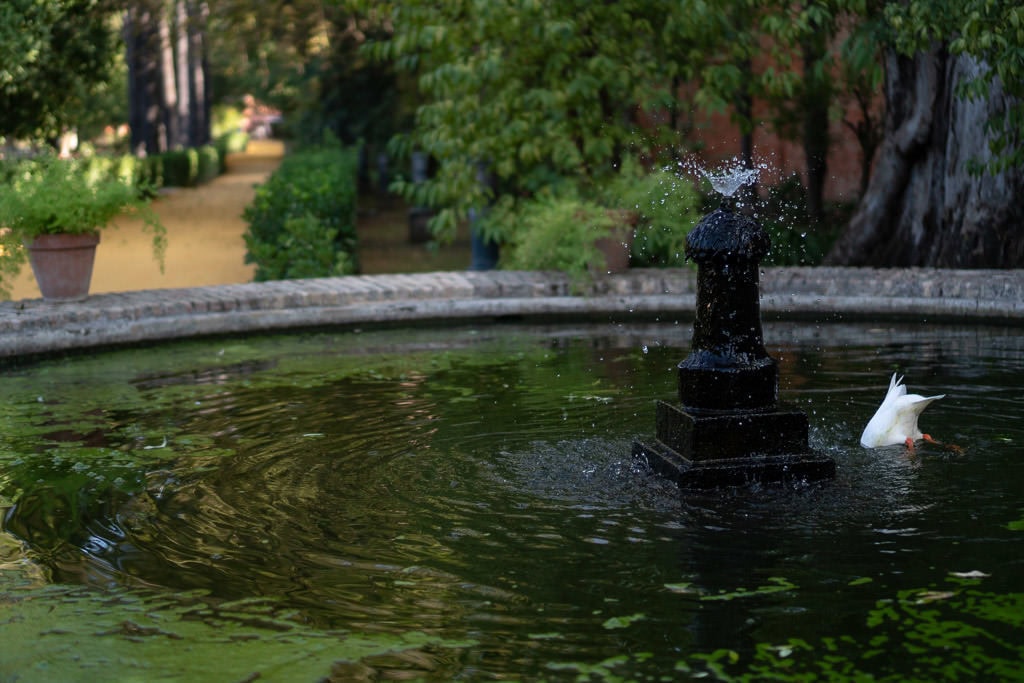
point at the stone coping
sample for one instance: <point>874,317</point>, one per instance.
<point>34,326</point>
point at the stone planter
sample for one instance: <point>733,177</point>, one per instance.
<point>62,264</point>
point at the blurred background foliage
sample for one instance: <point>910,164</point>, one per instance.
<point>508,100</point>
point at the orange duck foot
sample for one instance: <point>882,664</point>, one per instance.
<point>948,446</point>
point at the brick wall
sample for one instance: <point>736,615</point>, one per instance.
<point>719,139</point>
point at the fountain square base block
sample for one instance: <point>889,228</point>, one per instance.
<point>732,448</point>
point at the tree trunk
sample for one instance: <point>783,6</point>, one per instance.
<point>181,42</point>
<point>745,113</point>
<point>815,125</point>
<point>923,205</point>
<point>169,135</point>
<point>142,55</point>
<point>199,96</point>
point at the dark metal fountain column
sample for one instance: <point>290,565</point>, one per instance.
<point>729,428</point>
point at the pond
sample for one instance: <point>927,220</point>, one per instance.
<point>462,505</point>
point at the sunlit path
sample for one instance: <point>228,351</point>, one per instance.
<point>204,234</point>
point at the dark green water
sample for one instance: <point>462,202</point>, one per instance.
<point>461,505</point>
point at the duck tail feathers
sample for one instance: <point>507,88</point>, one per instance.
<point>919,403</point>
<point>895,388</point>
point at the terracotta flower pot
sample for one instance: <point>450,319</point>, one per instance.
<point>62,265</point>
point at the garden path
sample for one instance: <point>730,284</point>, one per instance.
<point>204,234</point>
<point>205,228</point>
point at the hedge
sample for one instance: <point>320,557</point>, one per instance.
<point>302,220</point>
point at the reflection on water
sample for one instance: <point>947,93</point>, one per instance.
<point>463,504</point>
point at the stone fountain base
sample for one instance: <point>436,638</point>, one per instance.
<point>732,448</point>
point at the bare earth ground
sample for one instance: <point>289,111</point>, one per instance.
<point>385,248</point>
<point>204,235</point>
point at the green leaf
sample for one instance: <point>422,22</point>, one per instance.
<point>623,622</point>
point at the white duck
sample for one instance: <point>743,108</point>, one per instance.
<point>895,422</point>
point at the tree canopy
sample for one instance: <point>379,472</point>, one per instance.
<point>527,90</point>
<point>525,93</point>
<point>535,91</point>
<point>54,56</point>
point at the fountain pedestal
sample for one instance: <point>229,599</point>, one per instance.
<point>729,428</point>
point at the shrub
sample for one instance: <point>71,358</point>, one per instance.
<point>125,168</point>
<point>8,169</point>
<point>150,174</point>
<point>669,207</point>
<point>180,167</point>
<point>305,248</point>
<point>235,141</point>
<point>226,119</point>
<point>558,233</point>
<point>209,164</point>
<point>230,143</point>
<point>302,220</point>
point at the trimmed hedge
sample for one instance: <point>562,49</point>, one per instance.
<point>230,143</point>
<point>209,163</point>
<point>197,165</point>
<point>193,166</point>
<point>176,168</point>
<point>180,167</point>
<point>302,220</point>
<point>143,174</point>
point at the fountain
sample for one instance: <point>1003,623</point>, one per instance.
<point>729,428</point>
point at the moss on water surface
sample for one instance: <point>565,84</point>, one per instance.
<point>61,633</point>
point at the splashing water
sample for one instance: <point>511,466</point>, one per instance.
<point>728,183</point>
<point>728,179</point>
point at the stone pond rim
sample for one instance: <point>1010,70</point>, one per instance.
<point>32,327</point>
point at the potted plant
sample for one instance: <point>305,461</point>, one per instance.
<point>55,211</point>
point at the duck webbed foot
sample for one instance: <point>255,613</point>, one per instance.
<point>947,446</point>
